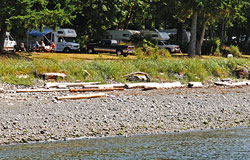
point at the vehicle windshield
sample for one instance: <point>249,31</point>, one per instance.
<point>69,39</point>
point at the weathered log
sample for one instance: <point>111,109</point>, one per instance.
<point>82,96</point>
<point>232,84</point>
<point>164,86</point>
<point>103,86</point>
<point>40,90</point>
<point>194,84</point>
<point>139,73</point>
<point>139,85</point>
<point>96,89</point>
<point>53,76</point>
<point>63,85</point>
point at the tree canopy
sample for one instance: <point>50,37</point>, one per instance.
<point>206,19</point>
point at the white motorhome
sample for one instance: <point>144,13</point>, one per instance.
<point>64,39</point>
<point>160,36</point>
<point>9,43</point>
<point>186,34</point>
<point>121,35</point>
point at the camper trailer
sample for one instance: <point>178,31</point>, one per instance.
<point>9,43</point>
<point>186,34</point>
<point>63,38</point>
<point>121,35</point>
<point>160,36</point>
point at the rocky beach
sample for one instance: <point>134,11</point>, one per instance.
<point>33,117</point>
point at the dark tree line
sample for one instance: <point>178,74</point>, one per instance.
<point>228,20</point>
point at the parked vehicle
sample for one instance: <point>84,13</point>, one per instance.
<point>63,38</point>
<point>110,46</point>
<point>171,47</point>
<point>121,35</point>
<point>160,36</point>
<point>9,43</point>
<point>186,35</point>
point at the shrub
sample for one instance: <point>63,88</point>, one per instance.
<point>147,52</point>
<point>234,50</point>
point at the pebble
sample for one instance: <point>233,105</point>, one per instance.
<point>148,112</point>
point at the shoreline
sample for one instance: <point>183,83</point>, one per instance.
<point>122,136</point>
<point>36,117</point>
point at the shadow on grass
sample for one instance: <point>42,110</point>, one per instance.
<point>11,55</point>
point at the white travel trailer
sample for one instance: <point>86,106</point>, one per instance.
<point>121,35</point>
<point>186,34</point>
<point>63,38</point>
<point>160,36</point>
<point>9,43</point>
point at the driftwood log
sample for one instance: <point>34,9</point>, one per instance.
<point>82,96</point>
<point>140,73</point>
<point>40,90</point>
<point>96,89</point>
<point>65,85</point>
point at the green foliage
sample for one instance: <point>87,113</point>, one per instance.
<point>160,69</point>
<point>234,50</point>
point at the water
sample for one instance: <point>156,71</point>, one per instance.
<point>220,144</point>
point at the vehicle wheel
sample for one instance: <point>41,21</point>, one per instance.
<point>125,54</point>
<point>66,50</point>
<point>119,52</point>
<point>90,51</point>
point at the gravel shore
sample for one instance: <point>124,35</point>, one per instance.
<point>29,117</point>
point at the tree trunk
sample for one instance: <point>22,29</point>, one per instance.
<point>222,36</point>
<point>192,44</point>
<point>200,41</point>
<point>180,33</point>
<point>2,36</point>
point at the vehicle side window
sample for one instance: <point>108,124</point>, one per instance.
<point>125,35</point>
<point>160,43</point>
<point>60,39</point>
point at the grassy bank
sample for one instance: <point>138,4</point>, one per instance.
<point>163,69</point>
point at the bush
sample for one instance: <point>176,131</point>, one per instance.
<point>147,52</point>
<point>234,50</point>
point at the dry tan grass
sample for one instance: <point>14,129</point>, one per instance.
<point>77,56</point>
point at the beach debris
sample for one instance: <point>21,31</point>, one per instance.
<point>40,90</point>
<point>226,80</point>
<point>53,76</point>
<point>96,89</point>
<point>194,84</point>
<point>65,85</point>
<point>103,86</point>
<point>1,90</point>
<point>164,86</point>
<point>82,96</point>
<point>235,84</point>
<point>138,76</point>
<point>140,85</point>
<point>241,72</point>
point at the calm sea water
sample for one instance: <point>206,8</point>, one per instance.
<point>220,144</point>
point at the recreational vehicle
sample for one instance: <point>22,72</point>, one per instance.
<point>186,34</point>
<point>9,43</point>
<point>160,36</point>
<point>63,38</point>
<point>121,35</point>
